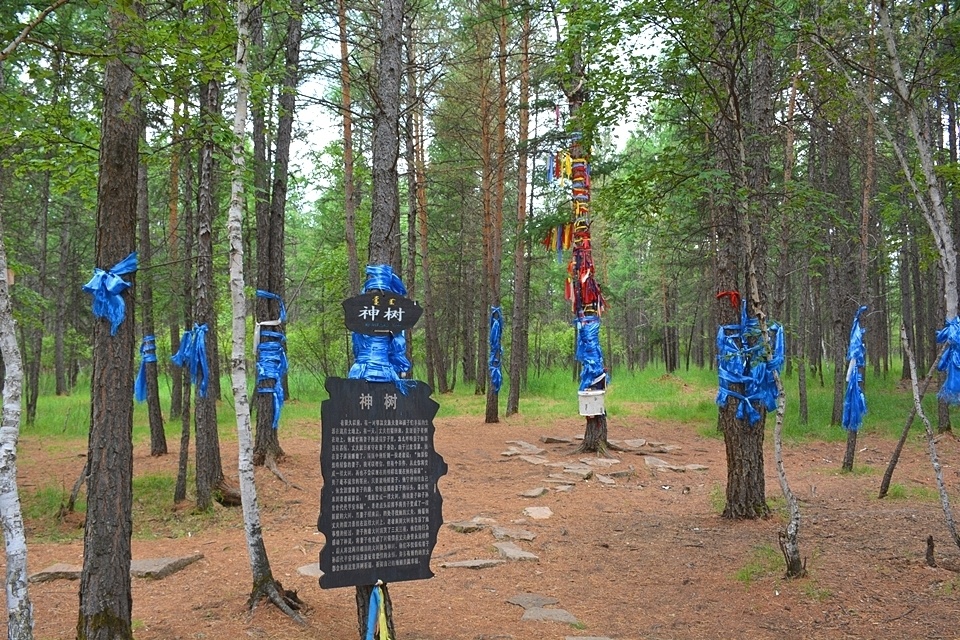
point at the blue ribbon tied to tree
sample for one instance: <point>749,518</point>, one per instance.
<point>148,354</point>
<point>496,348</point>
<point>743,358</point>
<point>950,361</point>
<point>192,355</point>
<point>272,359</point>
<point>381,358</point>
<point>589,353</point>
<point>107,288</point>
<point>854,400</point>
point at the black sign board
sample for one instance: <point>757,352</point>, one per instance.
<point>380,507</point>
<point>376,313</point>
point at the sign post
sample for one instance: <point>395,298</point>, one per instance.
<point>380,506</point>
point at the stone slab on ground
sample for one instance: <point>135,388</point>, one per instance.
<point>159,568</point>
<point>607,480</point>
<point>635,443</point>
<point>658,463</point>
<point>532,600</point>
<point>510,551</point>
<point>310,570</point>
<point>534,459</point>
<point>600,462</point>
<point>467,526</point>
<point>505,533</point>
<point>483,563</point>
<point>622,473</point>
<point>538,513</point>
<point>533,493</point>
<point>526,447</point>
<point>152,568</point>
<point>555,440</point>
<point>58,571</point>
<point>549,615</point>
<point>579,472</point>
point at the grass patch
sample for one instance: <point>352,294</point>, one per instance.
<point>764,561</point>
<point>815,592</point>
<point>898,491</point>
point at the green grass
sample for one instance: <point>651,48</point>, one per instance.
<point>764,561</point>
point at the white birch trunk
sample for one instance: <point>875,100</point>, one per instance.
<point>19,607</point>
<point>937,217</point>
<point>248,489</point>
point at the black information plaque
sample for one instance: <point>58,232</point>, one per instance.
<point>375,313</point>
<point>380,507</point>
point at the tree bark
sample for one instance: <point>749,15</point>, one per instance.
<point>158,439</point>
<point>209,468</point>
<point>105,591</point>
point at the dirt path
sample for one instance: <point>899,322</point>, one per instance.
<point>644,557</point>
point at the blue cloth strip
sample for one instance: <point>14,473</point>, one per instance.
<point>107,288</point>
<point>272,365</point>
<point>950,362</point>
<point>272,296</point>
<point>148,354</point>
<point>381,358</point>
<point>854,401</point>
<point>373,613</point>
<point>193,356</point>
<point>751,366</point>
<point>589,353</point>
<point>496,348</point>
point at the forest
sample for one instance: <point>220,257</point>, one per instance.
<point>798,156</point>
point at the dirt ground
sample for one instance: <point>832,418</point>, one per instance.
<point>647,557</point>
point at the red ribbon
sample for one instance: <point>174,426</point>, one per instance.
<point>734,298</point>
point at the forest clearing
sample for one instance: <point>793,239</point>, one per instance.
<point>646,557</point>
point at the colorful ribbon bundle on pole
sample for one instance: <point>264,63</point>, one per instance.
<point>193,356</point>
<point>582,289</point>
<point>950,362</point>
<point>854,401</point>
<point>377,628</point>
<point>272,358</point>
<point>381,358</point>
<point>751,365</point>
<point>107,287</point>
<point>496,348</point>
<point>148,354</point>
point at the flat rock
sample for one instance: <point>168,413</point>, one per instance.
<point>473,564</point>
<point>549,615</point>
<point>534,459</point>
<point>533,493</point>
<point>635,443</point>
<point>600,462</point>
<point>538,513</point>
<point>526,447</point>
<point>563,488</point>
<point>505,533</point>
<point>657,463</point>
<point>621,473</point>
<point>555,440</point>
<point>663,448</point>
<point>580,472</point>
<point>468,526</point>
<point>695,467</point>
<point>153,568</point>
<point>607,480</point>
<point>512,452</point>
<point>159,568</point>
<point>558,478</point>
<point>532,600</point>
<point>58,571</point>
<point>511,551</point>
<point>310,570</point>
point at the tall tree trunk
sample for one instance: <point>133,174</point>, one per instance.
<point>106,600</point>
<point>158,439</point>
<point>188,228</point>
<point>64,281</point>
<point>174,230</point>
<point>267,446</point>
<point>384,246</point>
<point>264,585</point>
<point>19,606</point>
<point>519,329</point>
<point>209,467</point>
